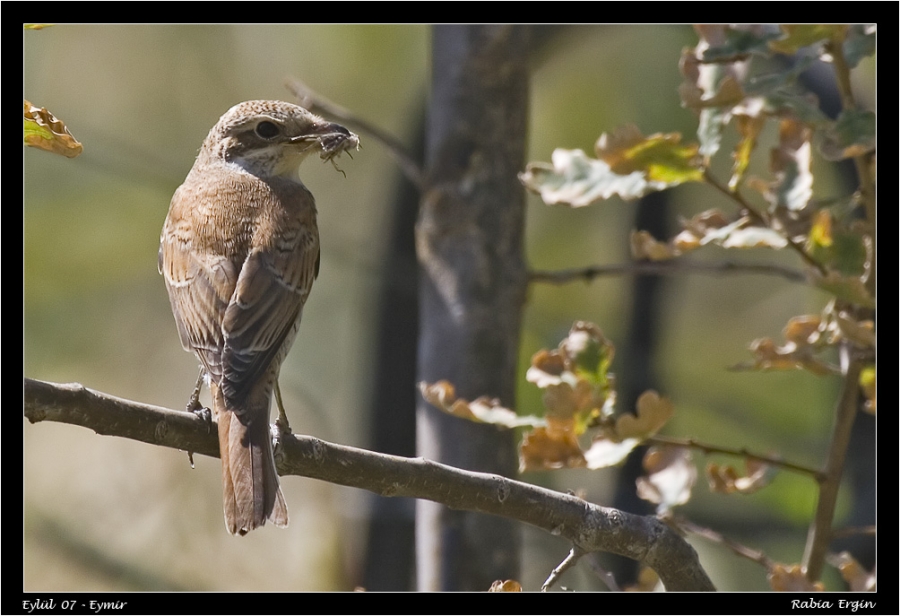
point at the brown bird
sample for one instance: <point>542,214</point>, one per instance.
<point>239,251</point>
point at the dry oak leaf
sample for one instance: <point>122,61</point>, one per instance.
<point>45,132</point>
<point>652,413</point>
<point>671,477</point>
<point>555,446</point>
<point>505,586</point>
<point>791,578</point>
<point>727,480</point>
<point>482,410</point>
<point>647,581</point>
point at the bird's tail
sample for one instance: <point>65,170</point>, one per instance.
<point>249,479</point>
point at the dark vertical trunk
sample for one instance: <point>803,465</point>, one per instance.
<point>390,549</point>
<point>638,372</point>
<point>469,243</point>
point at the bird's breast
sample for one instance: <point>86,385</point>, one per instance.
<point>232,212</point>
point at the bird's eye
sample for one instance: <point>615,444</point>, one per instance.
<point>267,130</point>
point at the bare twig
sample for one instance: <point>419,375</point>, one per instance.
<point>317,103</point>
<point>741,453</point>
<point>717,537</point>
<point>737,196</point>
<point>567,563</point>
<point>820,532</point>
<point>652,268</point>
<point>586,526</point>
<point>850,531</point>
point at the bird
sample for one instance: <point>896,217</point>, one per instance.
<point>239,251</point>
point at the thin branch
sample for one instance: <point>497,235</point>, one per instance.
<point>652,268</point>
<point>737,196</point>
<point>567,563</point>
<point>586,526</point>
<point>741,453</point>
<point>317,103</point>
<point>820,531</point>
<point>851,531</point>
<point>717,537</point>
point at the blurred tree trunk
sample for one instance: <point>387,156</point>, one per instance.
<point>637,373</point>
<point>390,547</point>
<point>469,243</point>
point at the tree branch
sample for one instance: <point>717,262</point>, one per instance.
<point>587,526</point>
<point>709,448</point>
<point>820,531</point>
<point>651,268</point>
<point>737,196</point>
<point>568,562</point>
<point>315,102</point>
<point>756,556</point>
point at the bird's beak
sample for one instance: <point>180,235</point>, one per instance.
<point>321,131</point>
<point>332,139</point>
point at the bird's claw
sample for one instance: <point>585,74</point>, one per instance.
<point>283,426</point>
<point>194,406</point>
<point>205,414</point>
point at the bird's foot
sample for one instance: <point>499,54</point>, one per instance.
<point>282,423</point>
<point>194,406</point>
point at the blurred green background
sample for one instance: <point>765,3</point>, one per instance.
<point>103,513</point>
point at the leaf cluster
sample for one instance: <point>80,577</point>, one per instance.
<point>729,89</point>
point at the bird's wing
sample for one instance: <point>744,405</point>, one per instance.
<point>263,314</point>
<point>200,285</point>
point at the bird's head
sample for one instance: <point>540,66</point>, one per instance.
<point>271,138</point>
